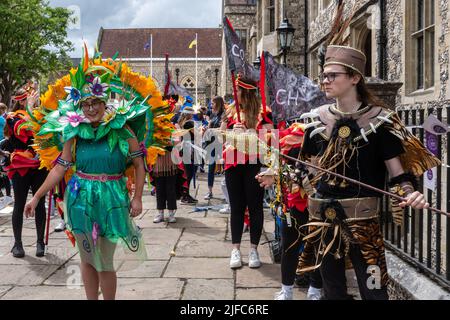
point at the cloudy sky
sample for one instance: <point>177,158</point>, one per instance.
<point>137,14</point>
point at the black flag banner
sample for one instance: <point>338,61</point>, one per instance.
<point>290,94</point>
<point>177,90</point>
<point>236,54</point>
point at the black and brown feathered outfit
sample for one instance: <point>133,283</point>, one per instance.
<point>344,218</point>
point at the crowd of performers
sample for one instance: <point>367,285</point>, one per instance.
<point>92,152</point>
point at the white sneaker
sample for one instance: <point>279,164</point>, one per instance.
<point>61,226</point>
<point>172,217</point>
<point>314,294</point>
<point>3,203</point>
<point>159,218</point>
<point>236,260</point>
<point>8,200</point>
<point>253,259</point>
<point>225,210</point>
<point>208,196</point>
<point>284,295</point>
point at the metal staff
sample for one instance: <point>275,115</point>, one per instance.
<point>359,183</point>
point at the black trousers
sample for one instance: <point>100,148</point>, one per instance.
<point>244,192</point>
<point>166,193</point>
<point>335,282</point>
<point>291,242</point>
<point>21,185</point>
<point>4,183</point>
<point>191,170</point>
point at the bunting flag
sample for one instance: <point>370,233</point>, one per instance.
<point>236,54</point>
<point>290,94</point>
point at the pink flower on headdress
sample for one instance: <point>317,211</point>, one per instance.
<point>73,118</point>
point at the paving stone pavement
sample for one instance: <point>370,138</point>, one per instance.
<point>187,260</point>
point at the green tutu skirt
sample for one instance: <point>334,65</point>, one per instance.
<point>97,213</point>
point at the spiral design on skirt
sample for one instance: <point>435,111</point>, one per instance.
<point>86,245</point>
<point>133,244</point>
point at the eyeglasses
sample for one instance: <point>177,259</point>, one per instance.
<point>331,76</point>
<point>95,105</point>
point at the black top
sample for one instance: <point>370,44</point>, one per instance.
<point>367,165</point>
<point>216,120</point>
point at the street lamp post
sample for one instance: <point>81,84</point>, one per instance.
<point>216,71</point>
<point>285,36</point>
<point>177,72</point>
<point>257,62</point>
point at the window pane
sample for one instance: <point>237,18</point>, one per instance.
<point>272,19</point>
<point>420,15</point>
<point>420,58</point>
<point>429,58</point>
<point>430,13</point>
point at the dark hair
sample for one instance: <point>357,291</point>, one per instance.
<point>220,103</point>
<point>365,95</point>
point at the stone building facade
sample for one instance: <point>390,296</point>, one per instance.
<point>131,43</point>
<point>256,22</point>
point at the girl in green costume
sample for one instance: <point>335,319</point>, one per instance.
<point>91,140</point>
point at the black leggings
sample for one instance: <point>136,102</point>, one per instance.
<point>4,183</point>
<point>32,179</point>
<point>335,282</point>
<point>244,192</point>
<point>289,258</point>
<point>166,193</point>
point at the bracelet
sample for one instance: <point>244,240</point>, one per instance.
<point>137,154</point>
<point>64,163</point>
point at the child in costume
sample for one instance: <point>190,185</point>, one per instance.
<point>101,158</point>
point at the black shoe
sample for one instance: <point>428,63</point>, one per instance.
<point>40,249</point>
<point>18,251</point>
<point>193,200</point>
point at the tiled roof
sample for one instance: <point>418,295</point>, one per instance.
<point>130,43</point>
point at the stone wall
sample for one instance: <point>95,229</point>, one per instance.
<point>206,75</point>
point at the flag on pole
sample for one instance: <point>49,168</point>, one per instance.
<point>193,43</point>
<point>148,44</point>
<point>237,63</point>
<point>291,94</point>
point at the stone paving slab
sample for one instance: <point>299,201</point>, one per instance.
<point>268,275</point>
<point>45,293</point>
<point>4,290</point>
<point>148,269</point>
<point>211,289</point>
<point>209,249</point>
<point>199,268</point>
<point>54,256</point>
<point>201,234</point>
<point>25,275</point>
<point>183,222</point>
<point>67,275</point>
<point>161,236</point>
<point>149,289</point>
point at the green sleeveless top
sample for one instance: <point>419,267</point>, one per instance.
<point>95,157</point>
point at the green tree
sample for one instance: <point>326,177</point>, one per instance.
<point>33,42</point>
